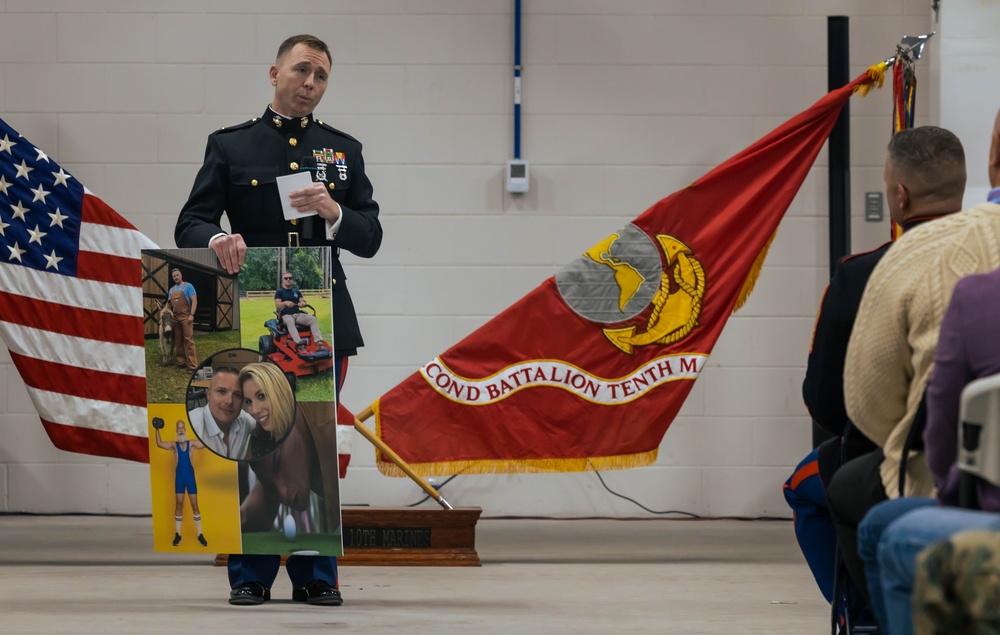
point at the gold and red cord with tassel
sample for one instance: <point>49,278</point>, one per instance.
<point>904,89</point>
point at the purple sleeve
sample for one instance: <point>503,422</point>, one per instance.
<point>951,374</point>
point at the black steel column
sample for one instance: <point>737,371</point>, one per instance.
<point>838,74</point>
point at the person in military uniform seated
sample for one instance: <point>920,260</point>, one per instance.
<point>238,179</point>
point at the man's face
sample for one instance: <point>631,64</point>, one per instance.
<point>286,281</point>
<point>299,79</point>
<point>176,275</point>
<point>225,399</point>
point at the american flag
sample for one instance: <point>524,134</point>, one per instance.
<point>71,304</point>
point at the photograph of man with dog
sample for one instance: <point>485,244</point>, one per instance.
<point>191,313</point>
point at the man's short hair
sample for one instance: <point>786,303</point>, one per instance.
<point>929,161</point>
<point>311,41</point>
<point>218,370</point>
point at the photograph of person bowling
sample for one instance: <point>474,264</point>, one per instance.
<point>292,496</point>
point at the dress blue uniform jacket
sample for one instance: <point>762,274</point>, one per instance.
<point>238,178</point>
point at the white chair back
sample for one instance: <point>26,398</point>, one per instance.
<point>979,429</point>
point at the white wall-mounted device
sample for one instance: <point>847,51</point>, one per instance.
<point>517,176</point>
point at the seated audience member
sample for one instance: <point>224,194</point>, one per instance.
<point>957,590</point>
<point>894,531</point>
<point>823,393</point>
<point>925,177</point>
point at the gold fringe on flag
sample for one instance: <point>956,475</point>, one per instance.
<point>877,74</point>
<point>751,280</point>
<point>522,466</point>
<point>511,466</point>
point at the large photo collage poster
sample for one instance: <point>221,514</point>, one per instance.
<point>241,402</point>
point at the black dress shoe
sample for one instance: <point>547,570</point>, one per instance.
<point>249,593</point>
<point>318,592</point>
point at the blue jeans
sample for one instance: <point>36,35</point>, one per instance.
<point>897,551</point>
<point>870,532</point>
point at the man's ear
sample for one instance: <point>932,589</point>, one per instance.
<point>273,73</point>
<point>902,197</point>
<point>995,158</point>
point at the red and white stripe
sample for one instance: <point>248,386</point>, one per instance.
<point>78,342</point>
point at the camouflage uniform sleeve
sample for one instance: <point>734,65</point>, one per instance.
<point>957,588</point>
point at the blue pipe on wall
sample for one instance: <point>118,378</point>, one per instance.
<point>517,79</point>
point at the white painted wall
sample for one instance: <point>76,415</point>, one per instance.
<point>624,102</point>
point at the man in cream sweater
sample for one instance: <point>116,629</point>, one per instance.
<point>890,354</point>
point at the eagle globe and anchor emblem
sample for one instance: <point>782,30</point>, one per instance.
<point>620,277</point>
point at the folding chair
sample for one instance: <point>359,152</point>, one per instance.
<point>979,438</point>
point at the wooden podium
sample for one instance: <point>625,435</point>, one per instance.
<point>403,536</point>
<point>410,537</point>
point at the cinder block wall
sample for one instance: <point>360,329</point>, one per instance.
<point>623,103</point>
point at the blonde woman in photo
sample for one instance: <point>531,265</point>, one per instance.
<point>268,398</point>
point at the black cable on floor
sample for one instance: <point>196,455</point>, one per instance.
<point>688,515</point>
<point>637,503</point>
<point>438,488</point>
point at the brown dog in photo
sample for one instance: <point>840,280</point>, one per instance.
<point>165,319</point>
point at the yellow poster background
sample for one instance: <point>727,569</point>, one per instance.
<point>218,492</point>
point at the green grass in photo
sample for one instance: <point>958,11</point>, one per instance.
<point>168,384</point>
<point>267,542</point>
<point>254,312</point>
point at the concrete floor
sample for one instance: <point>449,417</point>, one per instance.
<point>84,574</point>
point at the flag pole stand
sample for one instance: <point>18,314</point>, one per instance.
<point>395,458</point>
<point>404,536</point>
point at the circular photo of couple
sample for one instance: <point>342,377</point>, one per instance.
<point>240,404</point>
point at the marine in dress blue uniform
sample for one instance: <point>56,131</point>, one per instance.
<point>238,179</point>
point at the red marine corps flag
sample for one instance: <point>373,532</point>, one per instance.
<point>588,370</point>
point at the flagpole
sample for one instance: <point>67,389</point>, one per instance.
<point>395,458</point>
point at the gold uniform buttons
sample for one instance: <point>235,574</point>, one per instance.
<point>293,142</point>
<point>293,165</point>
<point>294,221</point>
<point>253,182</point>
<point>332,186</point>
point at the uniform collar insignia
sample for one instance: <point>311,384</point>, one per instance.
<point>285,124</point>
